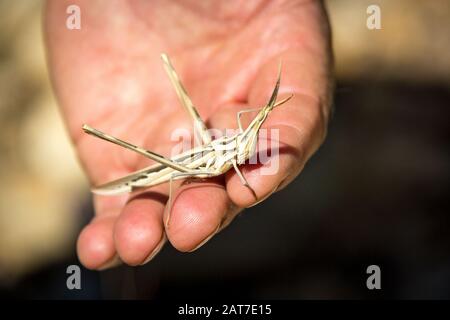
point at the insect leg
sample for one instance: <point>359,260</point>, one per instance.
<point>239,114</point>
<point>149,154</point>
<point>243,180</point>
<point>199,125</point>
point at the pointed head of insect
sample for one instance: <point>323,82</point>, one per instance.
<point>246,145</point>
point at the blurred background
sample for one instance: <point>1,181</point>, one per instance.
<point>375,193</point>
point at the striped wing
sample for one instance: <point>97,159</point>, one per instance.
<point>153,175</point>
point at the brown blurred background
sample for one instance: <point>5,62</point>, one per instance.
<point>376,192</point>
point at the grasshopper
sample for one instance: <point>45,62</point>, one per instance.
<point>212,158</point>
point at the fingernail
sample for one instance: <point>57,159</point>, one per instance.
<point>261,200</point>
<point>207,238</point>
<point>156,250</point>
<point>270,193</point>
<point>279,185</point>
<point>114,261</point>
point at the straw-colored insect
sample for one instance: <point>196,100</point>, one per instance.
<point>212,158</point>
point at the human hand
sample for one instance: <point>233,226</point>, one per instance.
<point>109,75</point>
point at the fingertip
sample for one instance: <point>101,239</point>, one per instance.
<point>95,245</point>
<point>197,213</point>
<point>139,231</point>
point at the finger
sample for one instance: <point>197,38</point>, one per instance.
<point>197,214</point>
<point>139,232</point>
<point>95,245</point>
<point>300,124</point>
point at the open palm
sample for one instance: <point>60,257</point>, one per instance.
<point>108,74</point>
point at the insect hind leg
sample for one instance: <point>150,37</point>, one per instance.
<point>146,153</point>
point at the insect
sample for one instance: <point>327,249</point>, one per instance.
<point>212,158</point>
